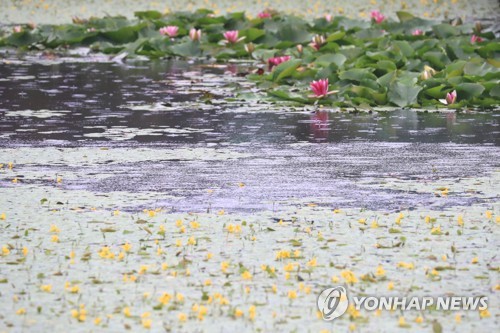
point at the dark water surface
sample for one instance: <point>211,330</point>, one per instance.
<point>335,157</point>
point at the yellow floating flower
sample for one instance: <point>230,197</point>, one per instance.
<point>349,276</point>
<point>380,271</point>
<point>419,319</point>
<point>5,250</point>
<point>292,294</point>
<point>191,241</point>
<point>3,216</point>
<point>46,288</point>
<point>390,285</point>
<point>54,228</point>
<point>246,275</point>
<point>126,312</point>
<point>313,262</point>
<point>21,311</point>
<point>127,247</point>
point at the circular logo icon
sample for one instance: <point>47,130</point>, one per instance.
<point>333,302</point>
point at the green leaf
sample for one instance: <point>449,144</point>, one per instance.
<point>403,94</point>
<point>468,90</point>
<point>357,74</point>
<point>404,16</point>
<point>186,49</point>
<point>149,14</point>
<point>285,69</point>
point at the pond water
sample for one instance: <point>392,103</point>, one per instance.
<point>334,157</point>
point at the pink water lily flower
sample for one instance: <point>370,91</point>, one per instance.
<point>276,61</point>
<point>320,89</point>
<point>195,34</point>
<point>451,97</point>
<point>17,29</point>
<point>328,18</point>
<point>170,31</point>
<point>417,32</point>
<point>264,14</point>
<point>232,37</point>
<point>377,16</point>
<point>475,39</point>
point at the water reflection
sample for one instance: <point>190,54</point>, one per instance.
<point>85,102</point>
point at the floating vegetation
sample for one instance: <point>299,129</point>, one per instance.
<point>411,62</point>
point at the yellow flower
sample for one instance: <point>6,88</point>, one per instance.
<point>436,230</point>
<point>484,313</point>
<point>353,312</point>
<point>164,266</point>
<point>146,323</point>
<point>5,250</point>
<point>362,221</point>
<point>312,263</point>
<point>460,220</point>
<point>46,287</point>
<point>349,276</point>
<point>296,253</point>
<point>282,254</point>
<point>380,271</point>
<point>116,212</point>
<point>292,294</point>
<point>74,289</point>
<point>97,321</point>
<point>14,180</point>
<point>444,257</point>
<point>336,211</point>
<point>427,219</point>
<point>419,319</point>
<point>54,228</point>
<point>402,321</point>
<point>3,217</point>
<point>191,241</point>
<point>25,251</point>
<point>143,269</point>
<point>475,260</point>
<point>126,312</point>
<point>178,223</point>
<point>21,311</point>
<point>489,214</point>
<point>207,282</point>
<point>224,266</point>
<point>289,267</point>
<point>274,288</point>
<point>352,327</point>
<point>54,239</point>
<point>406,265</point>
<point>179,297</point>
<point>221,212</point>
<point>194,225</point>
<point>182,317</point>
<point>335,279</point>
<point>238,313</point>
<point>252,312</point>
<point>146,315</point>
<point>246,275</point>
<point>390,285</point>
<point>374,225</point>
<point>178,243</point>
<point>182,229</point>
<point>127,247</point>
<point>165,298</point>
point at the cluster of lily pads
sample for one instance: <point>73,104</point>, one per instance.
<point>339,61</point>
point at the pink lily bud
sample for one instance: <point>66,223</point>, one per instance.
<point>232,37</point>
<point>276,61</point>
<point>249,47</point>
<point>195,34</point>
<point>17,29</point>
<point>300,48</point>
<point>475,39</point>
<point>377,16</point>
<point>451,97</point>
<point>170,31</point>
<point>328,18</point>
<point>317,42</point>
<point>417,32</point>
